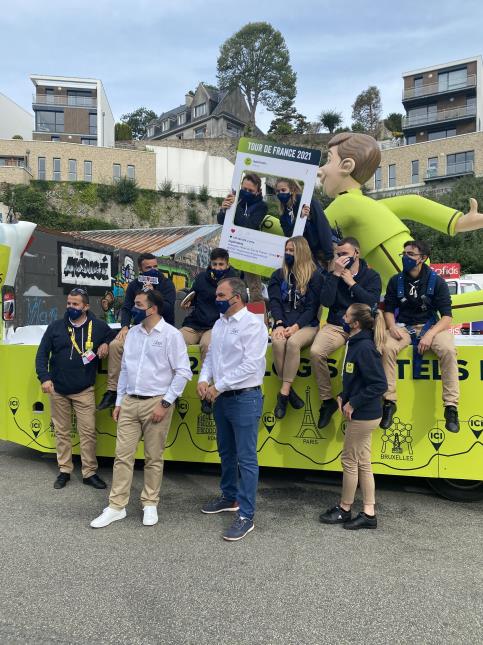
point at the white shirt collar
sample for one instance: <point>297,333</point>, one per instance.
<point>238,316</point>
<point>158,327</point>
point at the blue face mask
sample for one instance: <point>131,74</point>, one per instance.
<point>248,197</point>
<point>219,273</point>
<point>223,305</point>
<point>152,273</point>
<point>138,315</point>
<point>284,197</point>
<point>346,327</point>
<point>408,263</point>
<point>74,314</point>
<point>289,259</point>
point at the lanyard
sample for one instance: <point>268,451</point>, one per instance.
<point>88,345</point>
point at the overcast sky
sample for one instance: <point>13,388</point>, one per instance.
<point>150,52</point>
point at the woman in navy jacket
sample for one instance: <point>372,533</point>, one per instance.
<point>363,385</point>
<point>294,302</point>
<point>317,229</point>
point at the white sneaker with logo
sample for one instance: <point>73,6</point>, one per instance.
<point>150,517</point>
<point>108,516</point>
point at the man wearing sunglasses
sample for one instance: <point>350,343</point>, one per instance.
<point>417,310</point>
<point>66,365</point>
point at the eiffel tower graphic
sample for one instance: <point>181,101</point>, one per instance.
<point>308,427</point>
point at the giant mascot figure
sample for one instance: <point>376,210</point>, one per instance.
<point>377,224</point>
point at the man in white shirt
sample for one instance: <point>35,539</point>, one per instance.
<point>155,369</point>
<point>231,377</point>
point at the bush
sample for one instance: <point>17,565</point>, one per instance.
<point>17,136</point>
<point>203,195</point>
<point>143,207</point>
<point>193,217</point>
<point>166,188</point>
<point>126,191</point>
<point>191,196</point>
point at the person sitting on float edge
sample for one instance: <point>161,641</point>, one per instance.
<point>363,384</point>
<point>149,278</point>
<point>418,294</point>
<point>293,294</point>
<point>317,231</point>
<point>66,365</point>
<point>350,280</point>
<point>250,212</point>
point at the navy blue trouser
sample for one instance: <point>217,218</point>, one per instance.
<point>237,418</point>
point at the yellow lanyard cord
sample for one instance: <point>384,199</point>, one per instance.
<point>88,345</point>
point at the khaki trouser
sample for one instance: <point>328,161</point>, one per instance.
<point>254,285</point>
<point>116,348</point>
<point>356,461</point>
<point>328,339</point>
<point>197,337</point>
<point>444,348</point>
<point>286,352</point>
<point>134,422</point>
<point>84,405</point>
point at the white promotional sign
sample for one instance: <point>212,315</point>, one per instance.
<point>85,267</point>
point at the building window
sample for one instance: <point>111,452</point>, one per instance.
<point>78,98</point>
<point>470,104</point>
<point>49,121</point>
<point>200,110</point>
<point>232,130</point>
<point>391,175</point>
<point>181,120</point>
<point>418,85</point>
<point>56,169</point>
<point>432,167</point>
<point>460,162</point>
<point>411,139</point>
<point>88,142</point>
<point>41,168</point>
<point>424,114</point>
<point>200,133</point>
<point>116,171</point>
<point>131,172</point>
<point>151,131</point>
<point>92,123</point>
<point>441,134</point>
<point>378,178</point>
<point>87,170</point>
<point>452,80</point>
<point>165,125</point>
<point>180,135</point>
<point>415,171</point>
<point>72,170</point>
<point>49,95</point>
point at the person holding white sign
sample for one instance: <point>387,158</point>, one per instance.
<point>294,302</point>
<point>250,212</point>
<point>317,231</point>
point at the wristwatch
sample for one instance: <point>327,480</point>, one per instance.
<point>165,404</point>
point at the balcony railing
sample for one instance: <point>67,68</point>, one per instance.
<point>438,88</point>
<point>64,99</point>
<point>439,117</point>
<point>452,170</point>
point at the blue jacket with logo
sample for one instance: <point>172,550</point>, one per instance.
<point>363,378</point>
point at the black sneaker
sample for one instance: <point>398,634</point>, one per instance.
<point>388,410</point>
<point>361,521</point>
<point>281,406</point>
<point>335,515</point>
<point>219,505</point>
<point>95,481</point>
<point>326,411</point>
<point>451,415</point>
<point>206,407</point>
<point>61,481</point>
<point>240,527</point>
<point>108,400</point>
<point>295,401</point>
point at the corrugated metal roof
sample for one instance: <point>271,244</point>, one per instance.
<point>162,242</point>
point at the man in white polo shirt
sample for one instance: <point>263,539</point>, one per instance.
<point>232,376</point>
<point>155,369</point>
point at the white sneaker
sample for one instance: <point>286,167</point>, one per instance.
<point>108,516</point>
<point>150,517</point>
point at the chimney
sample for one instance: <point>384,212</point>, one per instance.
<point>189,99</point>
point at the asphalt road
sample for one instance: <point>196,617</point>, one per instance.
<point>417,579</point>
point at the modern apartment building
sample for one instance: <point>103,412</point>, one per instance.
<point>72,110</point>
<point>206,113</point>
<point>443,100</point>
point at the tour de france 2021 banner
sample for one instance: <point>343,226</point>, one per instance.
<point>261,250</point>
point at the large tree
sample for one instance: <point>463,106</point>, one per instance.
<point>393,123</point>
<point>138,121</point>
<point>122,132</point>
<point>256,59</point>
<point>366,110</point>
<point>288,121</point>
<point>330,120</point>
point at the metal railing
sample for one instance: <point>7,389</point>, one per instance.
<point>437,88</point>
<point>64,99</point>
<point>439,116</point>
<point>452,170</point>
